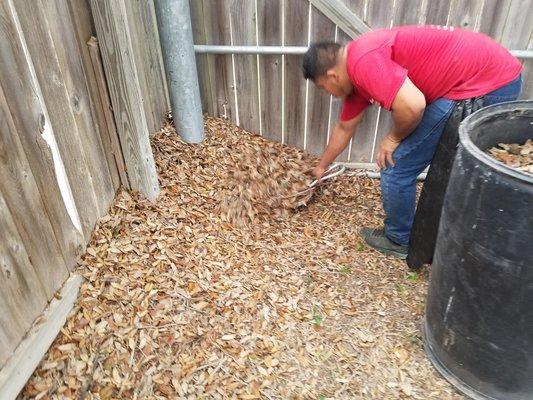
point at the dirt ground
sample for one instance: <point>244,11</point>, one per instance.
<point>178,303</point>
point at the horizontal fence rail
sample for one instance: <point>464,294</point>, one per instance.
<point>217,49</point>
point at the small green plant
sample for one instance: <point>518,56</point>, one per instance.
<point>360,246</point>
<point>412,276</point>
<point>344,269</point>
<point>401,289</point>
<point>317,318</point>
<point>321,397</point>
<point>413,339</point>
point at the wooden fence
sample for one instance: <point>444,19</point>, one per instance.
<point>266,94</point>
<point>61,160</point>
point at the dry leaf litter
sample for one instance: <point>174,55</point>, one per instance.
<point>516,156</point>
<point>180,303</point>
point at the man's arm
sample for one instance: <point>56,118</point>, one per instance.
<point>340,137</point>
<point>407,111</point>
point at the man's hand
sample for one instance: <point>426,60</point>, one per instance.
<point>386,149</point>
<point>318,172</point>
<point>407,110</point>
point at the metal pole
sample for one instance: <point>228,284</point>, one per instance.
<point>175,32</point>
<point>215,49</point>
<point>522,53</point>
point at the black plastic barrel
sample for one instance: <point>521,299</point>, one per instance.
<point>478,327</point>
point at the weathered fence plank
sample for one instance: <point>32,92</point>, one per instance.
<point>80,14</point>
<point>75,82</point>
<point>27,114</point>
<point>437,12</point>
<point>493,17</point>
<point>205,73</point>
<point>296,34</point>
<point>148,61</point>
<point>246,68</point>
<point>62,122</point>
<point>465,14</point>
<point>218,31</point>
<point>407,12</point>
<point>318,100</point>
<point>21,195</point>
<point>108,128</point>
<point>518,25</point>
<point>517,34</point>
<point>270,68</point>
<point>527,76</point>
<point>117,54</point>
<point>23,298</point>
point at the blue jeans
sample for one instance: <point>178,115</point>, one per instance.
<point>398,183</point>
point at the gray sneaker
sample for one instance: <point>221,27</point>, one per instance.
<point>375,237</point>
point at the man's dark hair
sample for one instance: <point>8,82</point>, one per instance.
<point>320,57</point>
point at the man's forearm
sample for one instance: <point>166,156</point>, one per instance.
<point>337,143</point>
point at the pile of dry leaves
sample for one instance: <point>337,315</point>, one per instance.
<point>179,303</point>
<point>266,182</point>
<point>514,155</point>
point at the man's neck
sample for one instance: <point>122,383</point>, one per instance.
<point>343,69</point>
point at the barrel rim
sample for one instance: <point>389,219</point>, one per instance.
<point>482,115</point>
<point>445,372</point>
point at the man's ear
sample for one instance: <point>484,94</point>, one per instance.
<point>331,74</point>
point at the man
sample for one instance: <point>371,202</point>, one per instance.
<point>419,73</point>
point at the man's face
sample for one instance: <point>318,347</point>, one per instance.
<point>331,84</point>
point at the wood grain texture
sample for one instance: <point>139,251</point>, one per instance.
<point>28,116</point>
<point>80,14</point>
<point>465,13</point>
<point>220,66</point>
<point>296,26</point>
<point>437,12</point>
<point>61,27</point>
<point>108,131</point>
<point>407,12</point>
<point>270,67</point>
<point>527,74</point>
<point>493,17</point>
<point>341,15</point>
<point>22,197</point>
<point>142,25</point>
<point>23,297</point>
<point>246,72</point>
<point>518,25</point>
<point>205,76</point>
<point>121,74</point>
<point>60,110</point>
<point>517,34</point>
<point>318,100</point>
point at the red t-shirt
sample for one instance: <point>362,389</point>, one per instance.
<point>441,61</point>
